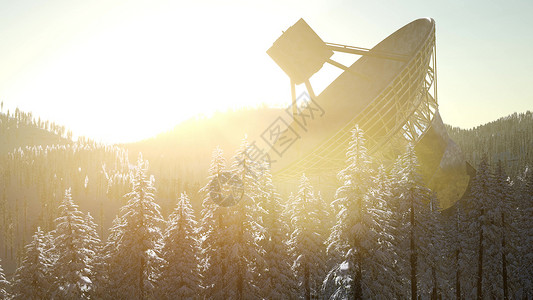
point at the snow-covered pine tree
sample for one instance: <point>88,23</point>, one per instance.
<point>104,264</point>
<point>307,242</point>
<point>277,279</point>
<point>358,232</point>
<point>136,260</point>
<point>180,274</point>
<point>435,276</point>
<point>525,230</point>
<point>458,252</point>
<point>506,218</point>
<point>93,243</point>
<point>4,284</point>
<point>48,248</point>
<point>32,279</point>
<point>244,231</point>
<point>380,198</point>
<point>214,242</point>
<point>72,269</point>
<point>327,219</point>
<point>398,245</point>
<point>481,214</point>
<point>289,210</point>
<point>409,210</point>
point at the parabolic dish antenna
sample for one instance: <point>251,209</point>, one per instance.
<point>390,92</point>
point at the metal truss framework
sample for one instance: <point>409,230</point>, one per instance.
<point>399,115</point>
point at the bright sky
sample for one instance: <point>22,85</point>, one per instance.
<point>120,71</point>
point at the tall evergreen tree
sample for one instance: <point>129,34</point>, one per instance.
<point>459,251</point>
<point>307,241</point>
<point>435,275</point>
<point>214,243</point>
<point>104,266</point>
<point>32,279</point>
<point>525,231</point>
<point>93,241</point>
<point>357,232</point>
<point>481,193</point>
<point>506,220</point>
<point>410,208</point>
<point>385,229</point>
<point>244,231</point>
<point>136,261</point>
<point>278,281</point>
<point>483,230</point>
<point>180,276</point>
<point>94,244</point>
<point>72,268</point>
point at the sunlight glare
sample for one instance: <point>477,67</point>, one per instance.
<point>145,75</point>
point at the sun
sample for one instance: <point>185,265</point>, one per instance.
<point>140,75</point>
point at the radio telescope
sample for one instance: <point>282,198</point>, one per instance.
<point>390,92</point>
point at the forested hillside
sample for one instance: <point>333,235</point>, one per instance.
<point>20,129</point>
<point>151,225</point>
<point>383,234</point>
<point>509,139</point>
<point>39,160</point>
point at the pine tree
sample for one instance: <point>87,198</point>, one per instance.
<point>506,220</point>
<point>72,268</point>
<point>278,281</point>
<point>380,199</point>
<point>525,231</point>
<point>356,178</point>
<point>32,279</point>
<point>94,244</point>
<point>104,269</point>
<point>307,241</point>
<point>180,276</point>
<point>93,241</point>
<point>136,260</point>
<point>4,284</point>
<point>48,249</point>
<point>460,251</point>
<point>358,233</point>
<point>244,231</point>
<point>435,275</point>
<point>481,214</point>
<point>409,210</point>
<point>213,232</point>
<point>490,225</point>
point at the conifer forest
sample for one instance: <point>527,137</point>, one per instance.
<point>85,220</point>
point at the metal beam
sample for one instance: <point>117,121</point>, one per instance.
<point>293,97</point>
<point>345,68</point>
<point>366,52</point>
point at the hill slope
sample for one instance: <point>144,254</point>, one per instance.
<point>186,150</point>
<point>509,139</point>
<point>21,129</point>
<point>35,177</point>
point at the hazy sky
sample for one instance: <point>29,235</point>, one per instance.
<point>123,70</point>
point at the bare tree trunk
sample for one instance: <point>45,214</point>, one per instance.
<point>141,281</point>
<point>480,262</point>
<point>307,287</point>
<point>504,262</point>
<point>414,291</point>
<point>457,277</point>
<point>435,290</point>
